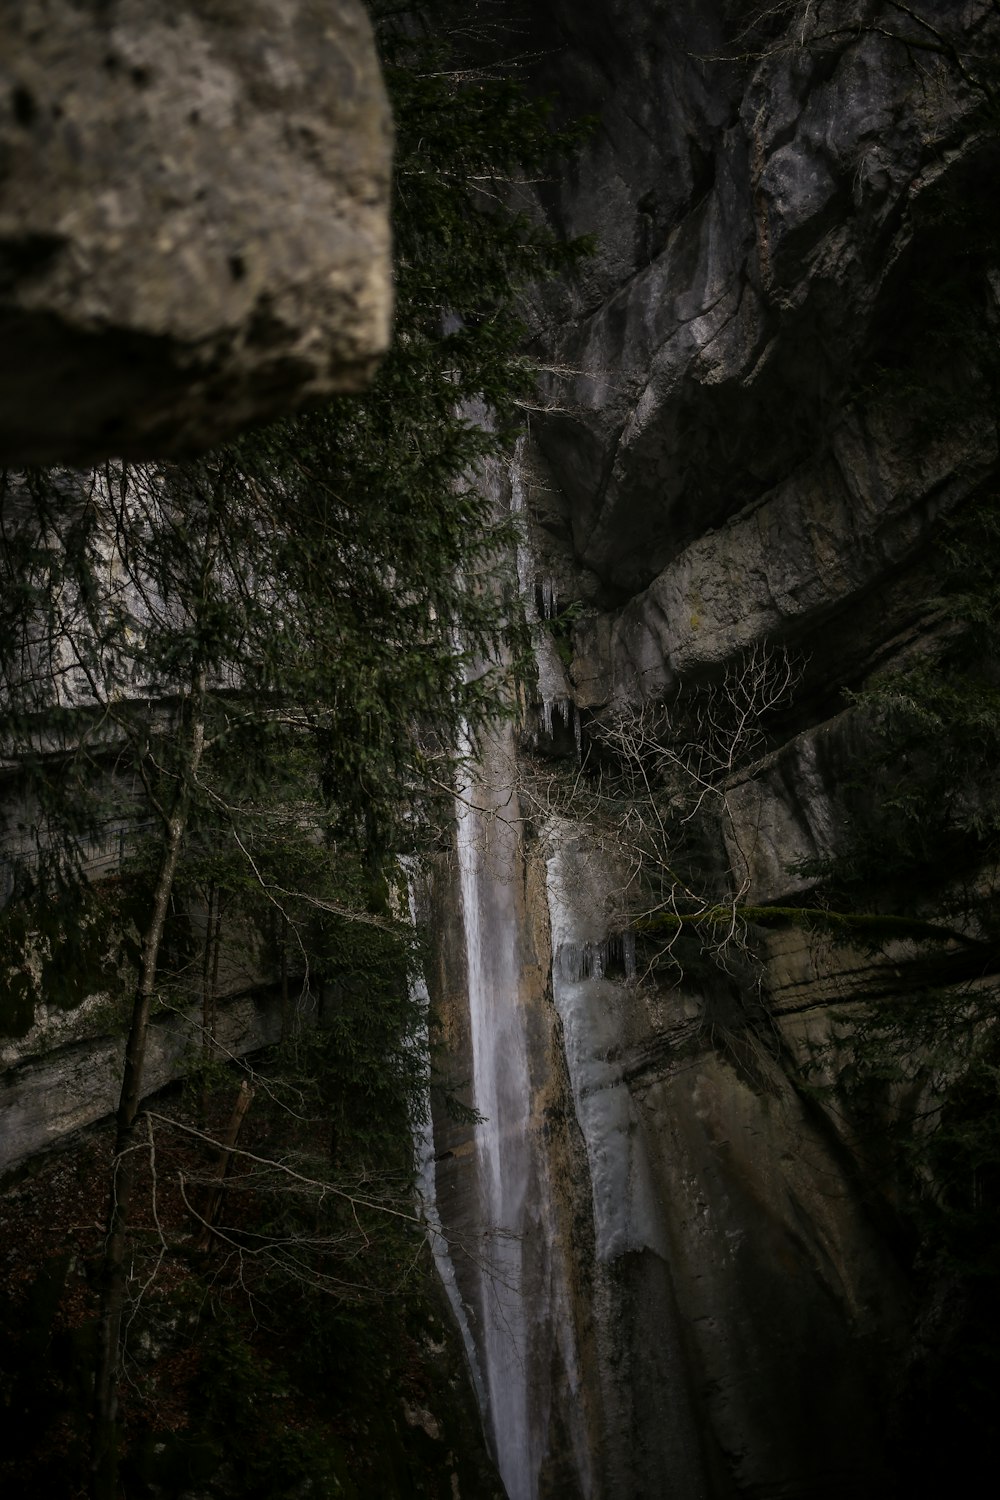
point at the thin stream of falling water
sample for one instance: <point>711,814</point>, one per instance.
<point>427,1172</point>
<point>487,847</point>
<point>517,1306</point>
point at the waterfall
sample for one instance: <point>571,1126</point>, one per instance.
<point>513,1246</point>
<point>487,850</point>
<point>519,1304</point>
<point>426,1171</point>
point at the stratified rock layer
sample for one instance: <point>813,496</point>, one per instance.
<point>764,405</point>
<point>193,219</point>
<point>761,199</point>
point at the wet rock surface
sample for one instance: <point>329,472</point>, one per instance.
<point>193,220</point>
<point>765,405</point>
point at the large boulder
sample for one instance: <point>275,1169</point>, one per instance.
<point>194,226</point>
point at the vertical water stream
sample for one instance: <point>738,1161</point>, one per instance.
<point>511,1255</point>
<point>487,849</point>
<point>427,1173</point>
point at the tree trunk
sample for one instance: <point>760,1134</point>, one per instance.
<point>286,1008</point>
<point>202,1237</point>
<point>104,1474</point>
<point>210,988</point>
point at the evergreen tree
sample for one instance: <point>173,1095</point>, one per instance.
<point>272,648</point>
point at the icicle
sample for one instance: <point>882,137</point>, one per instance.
<point>565,709</point>
<point>628,946</point>
<point>627,1211</point>
<point>578,962</point>
<point>550,600</point>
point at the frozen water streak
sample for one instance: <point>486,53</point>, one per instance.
<point>627,1214</point>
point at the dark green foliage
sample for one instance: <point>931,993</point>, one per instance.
<point>62,948</point>
<point>560,627</point>
<point>246,1419</point>
<point>264,657</point>
<point>335,579</point>
<point>314,1407</point>
<point>42,1378</point>
<point>339,569</point>
<point>361,1068</point>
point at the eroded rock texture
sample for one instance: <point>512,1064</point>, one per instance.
<point>766,398</point>
<point>760,224</point>
<point>193,219</point>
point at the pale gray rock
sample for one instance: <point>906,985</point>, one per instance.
<point>193,219</point>
<point>790,809</point>
<point>732,1304</point>
<point>759,423</point>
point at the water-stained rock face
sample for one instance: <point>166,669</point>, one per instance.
<point>766,405</point>
<point>193,219</point>
<point>760,196</point>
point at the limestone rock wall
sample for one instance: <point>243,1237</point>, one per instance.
<point>69,1078</point>
<point>733,449</point>
<point>771,190</point>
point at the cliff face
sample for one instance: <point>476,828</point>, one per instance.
<point>765,400</point>
<point>767,394</point>
<point>764,229</point>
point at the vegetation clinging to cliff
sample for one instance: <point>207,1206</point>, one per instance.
<point>219,664</point>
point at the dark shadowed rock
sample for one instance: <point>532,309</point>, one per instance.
<point>770,397</point>
<point>193,219</point>
<point>758,197</point>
